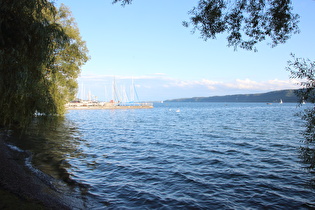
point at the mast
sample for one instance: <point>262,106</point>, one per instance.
<point>132,92</point>
<point>89,95</point>
<point>113,90</point>
<point>115,95</point>
<point>136,98</point>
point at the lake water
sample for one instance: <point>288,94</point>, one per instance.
<point>179,156</point>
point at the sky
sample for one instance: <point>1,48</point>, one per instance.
<point>146,43</point>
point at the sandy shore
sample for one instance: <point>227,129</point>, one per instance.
<point>21,188</point>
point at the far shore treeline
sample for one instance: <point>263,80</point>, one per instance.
<point>288,96</point>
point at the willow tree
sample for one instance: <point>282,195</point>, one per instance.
<point>68,59</point>
<point>303,70</point>
<point>34,76</point>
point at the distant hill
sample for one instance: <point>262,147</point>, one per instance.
<point>269,97</point>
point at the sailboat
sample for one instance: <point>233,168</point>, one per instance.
<point>121,99</point>
<point>281,102</point>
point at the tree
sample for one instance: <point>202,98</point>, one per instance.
<point>303,70</point>
<point>36,75</point>
<point>245,22</point>
<point>67,60</point>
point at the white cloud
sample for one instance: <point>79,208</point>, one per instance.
<point>274,84</point>
<point>161,86</point>
<point>237,84</point>
<point>160,74</point>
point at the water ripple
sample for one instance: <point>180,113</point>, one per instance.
<point>238,156</point>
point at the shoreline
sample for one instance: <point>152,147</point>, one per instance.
<point>107,107</point>
<point>88,104</point>
<point>21,188</point>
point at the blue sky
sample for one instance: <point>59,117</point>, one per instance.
<point>147,42</point>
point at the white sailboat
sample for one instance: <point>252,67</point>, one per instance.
<point>123,97</point>
<point>120,99</point>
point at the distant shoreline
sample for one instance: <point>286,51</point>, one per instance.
<point>287,96</point>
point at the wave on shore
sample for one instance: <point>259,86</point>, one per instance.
<point>19,179</point>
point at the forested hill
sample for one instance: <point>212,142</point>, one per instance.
<point>269,97</point>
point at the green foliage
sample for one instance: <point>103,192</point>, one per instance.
<point>123,2</point>
<point>67,60</point>
<point>309,116</point>
<point>32,77</point>
<point>303,70</point>
<point>246,22</point>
